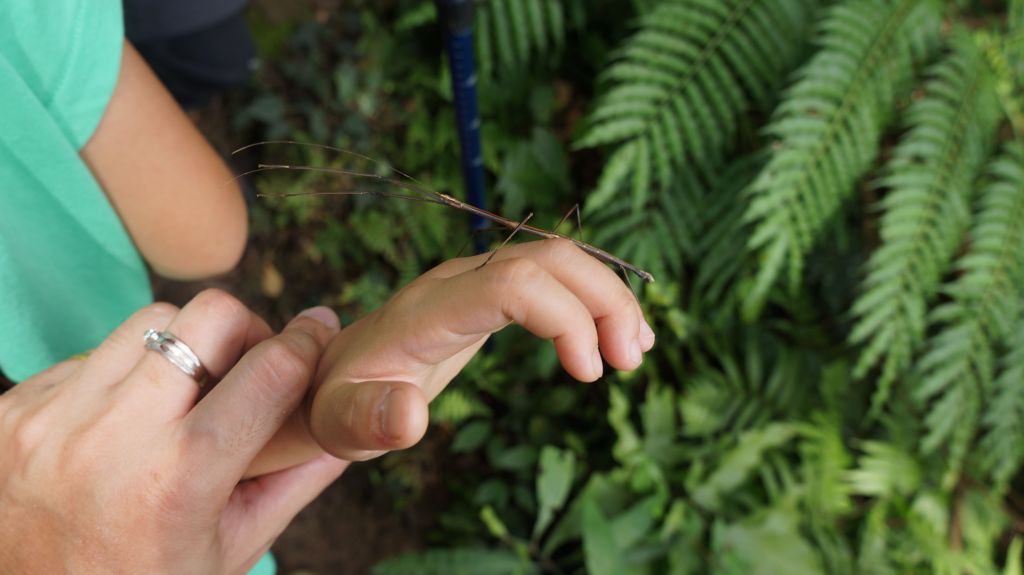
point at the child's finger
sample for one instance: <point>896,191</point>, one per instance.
<point>447,315</point>
<point>614,308</point>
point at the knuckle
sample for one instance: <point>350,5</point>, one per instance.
<point>219,304</point>
<point>23,436</point>
<point>512,280</point>
<point>514,273</point>
<point>159,313</point>
<point>561,249</point>
<point>287,357</point>
<point>402,305</point>
<point>24,428</point>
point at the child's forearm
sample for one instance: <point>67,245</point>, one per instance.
<point>171,190</point>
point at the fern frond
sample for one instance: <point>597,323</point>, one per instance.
<point>456,407</point>
<point>957,369</point>
<point>885,471</point>
<point>745,382</point>
<point>927,211</point>
<point>680,83</point>
<point>670,220</point>
<point>720,248</point>
<point>1002,446</point>
<point>828,128</point>
<point>825,460</point>
<point>512,35</point>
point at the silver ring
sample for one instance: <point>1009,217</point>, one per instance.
<point>176,352</point>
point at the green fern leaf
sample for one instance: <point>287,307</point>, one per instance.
<point>986,300</point>
<point>513,35</point>
<point>669,104</point>
<point>927,211</point>
<point>1003,444</point>
<point>689,71</point>
<point>829,126</point>
<point>885,471</point>
<point>669,217</point>
<point>720,248</point>
<point>456,406</point>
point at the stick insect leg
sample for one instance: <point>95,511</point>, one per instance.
<point>625,276</point>
<point>509,238</point>
<point>579,223</point>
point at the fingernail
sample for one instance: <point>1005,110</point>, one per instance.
<point>635,355</point>
<point>598,364</point>
<point>646,335</point>
<point>389,417</point>
<point>322,314</point>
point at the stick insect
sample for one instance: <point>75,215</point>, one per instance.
<point>424,194</point>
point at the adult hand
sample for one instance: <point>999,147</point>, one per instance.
<point>111,466</point>
<point>379,373</point>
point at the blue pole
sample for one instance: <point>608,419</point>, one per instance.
<point>457,18</point>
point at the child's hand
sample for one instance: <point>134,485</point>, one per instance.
<point>388,365</point>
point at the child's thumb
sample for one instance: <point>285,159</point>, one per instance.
<point>359,421</point>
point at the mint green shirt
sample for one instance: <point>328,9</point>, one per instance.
<point>69,273</point>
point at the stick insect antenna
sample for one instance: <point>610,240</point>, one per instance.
<point>330,148</point>
<point>429,196</point>
<point>352,192</point>
<point>353,173</point>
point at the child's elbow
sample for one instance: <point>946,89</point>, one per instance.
<point>207,253</point>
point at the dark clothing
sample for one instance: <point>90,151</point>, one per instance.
<point>198,48</point>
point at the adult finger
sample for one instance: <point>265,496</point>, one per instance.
<point>228,427</point>
<point>623,333</point>
<point>361,420</point>
<point>124,347</point>
<point>218,328</point>
<point>261,508</point>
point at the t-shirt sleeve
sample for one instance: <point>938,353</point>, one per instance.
<point>69,273</point>
<point>68,53</point>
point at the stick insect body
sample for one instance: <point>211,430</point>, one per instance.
<point>430,196</point>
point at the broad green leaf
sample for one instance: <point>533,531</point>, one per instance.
<point>471,436</point>
<point>742,460</point>
<point>554,480</point>
<point>601,551</point>
<point>766,543</point>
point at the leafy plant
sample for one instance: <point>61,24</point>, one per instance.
<point>831,195</point>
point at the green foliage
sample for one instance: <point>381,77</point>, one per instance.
<point>958,366</point>
<point>673,92</point>
<point>863,416</point>
<point>769,542</point>
<point>554,479</point>
<point>926,212</point>
<point>672,103</point>
<point>513,35</point>
<point>828,128</point>
<point>1003,444</point>
<point>456,562</point>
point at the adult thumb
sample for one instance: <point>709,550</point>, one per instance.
<point>359,421</point>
